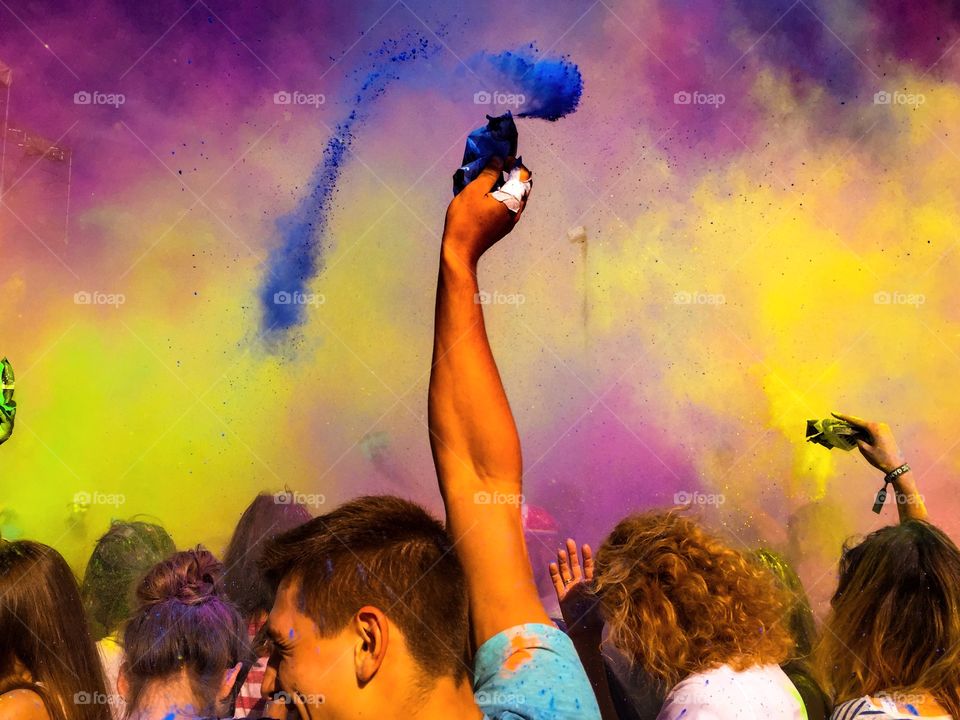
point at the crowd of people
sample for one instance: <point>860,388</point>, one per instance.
<point>379,610</point>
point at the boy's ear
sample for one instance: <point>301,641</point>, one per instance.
<point>373,639</point>
<point>229,680</point>
<point>123,684</point>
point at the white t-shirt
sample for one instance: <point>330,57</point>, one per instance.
<point>111,656</point>
<point>761,691</point>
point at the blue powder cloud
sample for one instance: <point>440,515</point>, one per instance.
<point>551,86</point>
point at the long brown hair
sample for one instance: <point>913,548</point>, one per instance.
<point>42,626</point>
<point>894,624</point>
<point>678,600</point>
<point>183,621</point>
<point>269,515</point>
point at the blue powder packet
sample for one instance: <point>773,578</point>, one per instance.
<point>497,138</point>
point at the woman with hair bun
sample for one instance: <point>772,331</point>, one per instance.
<point>185,645</point>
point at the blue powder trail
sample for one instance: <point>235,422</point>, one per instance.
<point>551,86</point>
<point>298,257</point>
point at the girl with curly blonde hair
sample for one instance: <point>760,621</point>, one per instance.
<point>693,614</point>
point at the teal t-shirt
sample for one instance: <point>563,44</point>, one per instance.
<point>532,672</point>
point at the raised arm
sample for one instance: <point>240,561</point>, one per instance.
<point>883,453</point>
<point>474,440</point>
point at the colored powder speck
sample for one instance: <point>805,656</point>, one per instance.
<point>551,86</point>
<point>299,256</point>
<point>290,634</point>
<point>520,654</point>
<point>912,710</point>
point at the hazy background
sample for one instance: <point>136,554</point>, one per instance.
<point>750,261</point>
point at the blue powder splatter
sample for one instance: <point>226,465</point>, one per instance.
<point>551,86</point>
<point>299,256</point>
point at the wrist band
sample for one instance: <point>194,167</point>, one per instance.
<point>894,474</point>
<point>887,479</point>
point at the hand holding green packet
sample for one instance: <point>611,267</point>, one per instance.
<point>8,406</point>
<point>833,434</point>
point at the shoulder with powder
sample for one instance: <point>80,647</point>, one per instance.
<point>22,705</point>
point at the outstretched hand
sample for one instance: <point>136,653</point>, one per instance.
<point>880,449</point>
<point>574,585</point>
<point>476,221</point>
